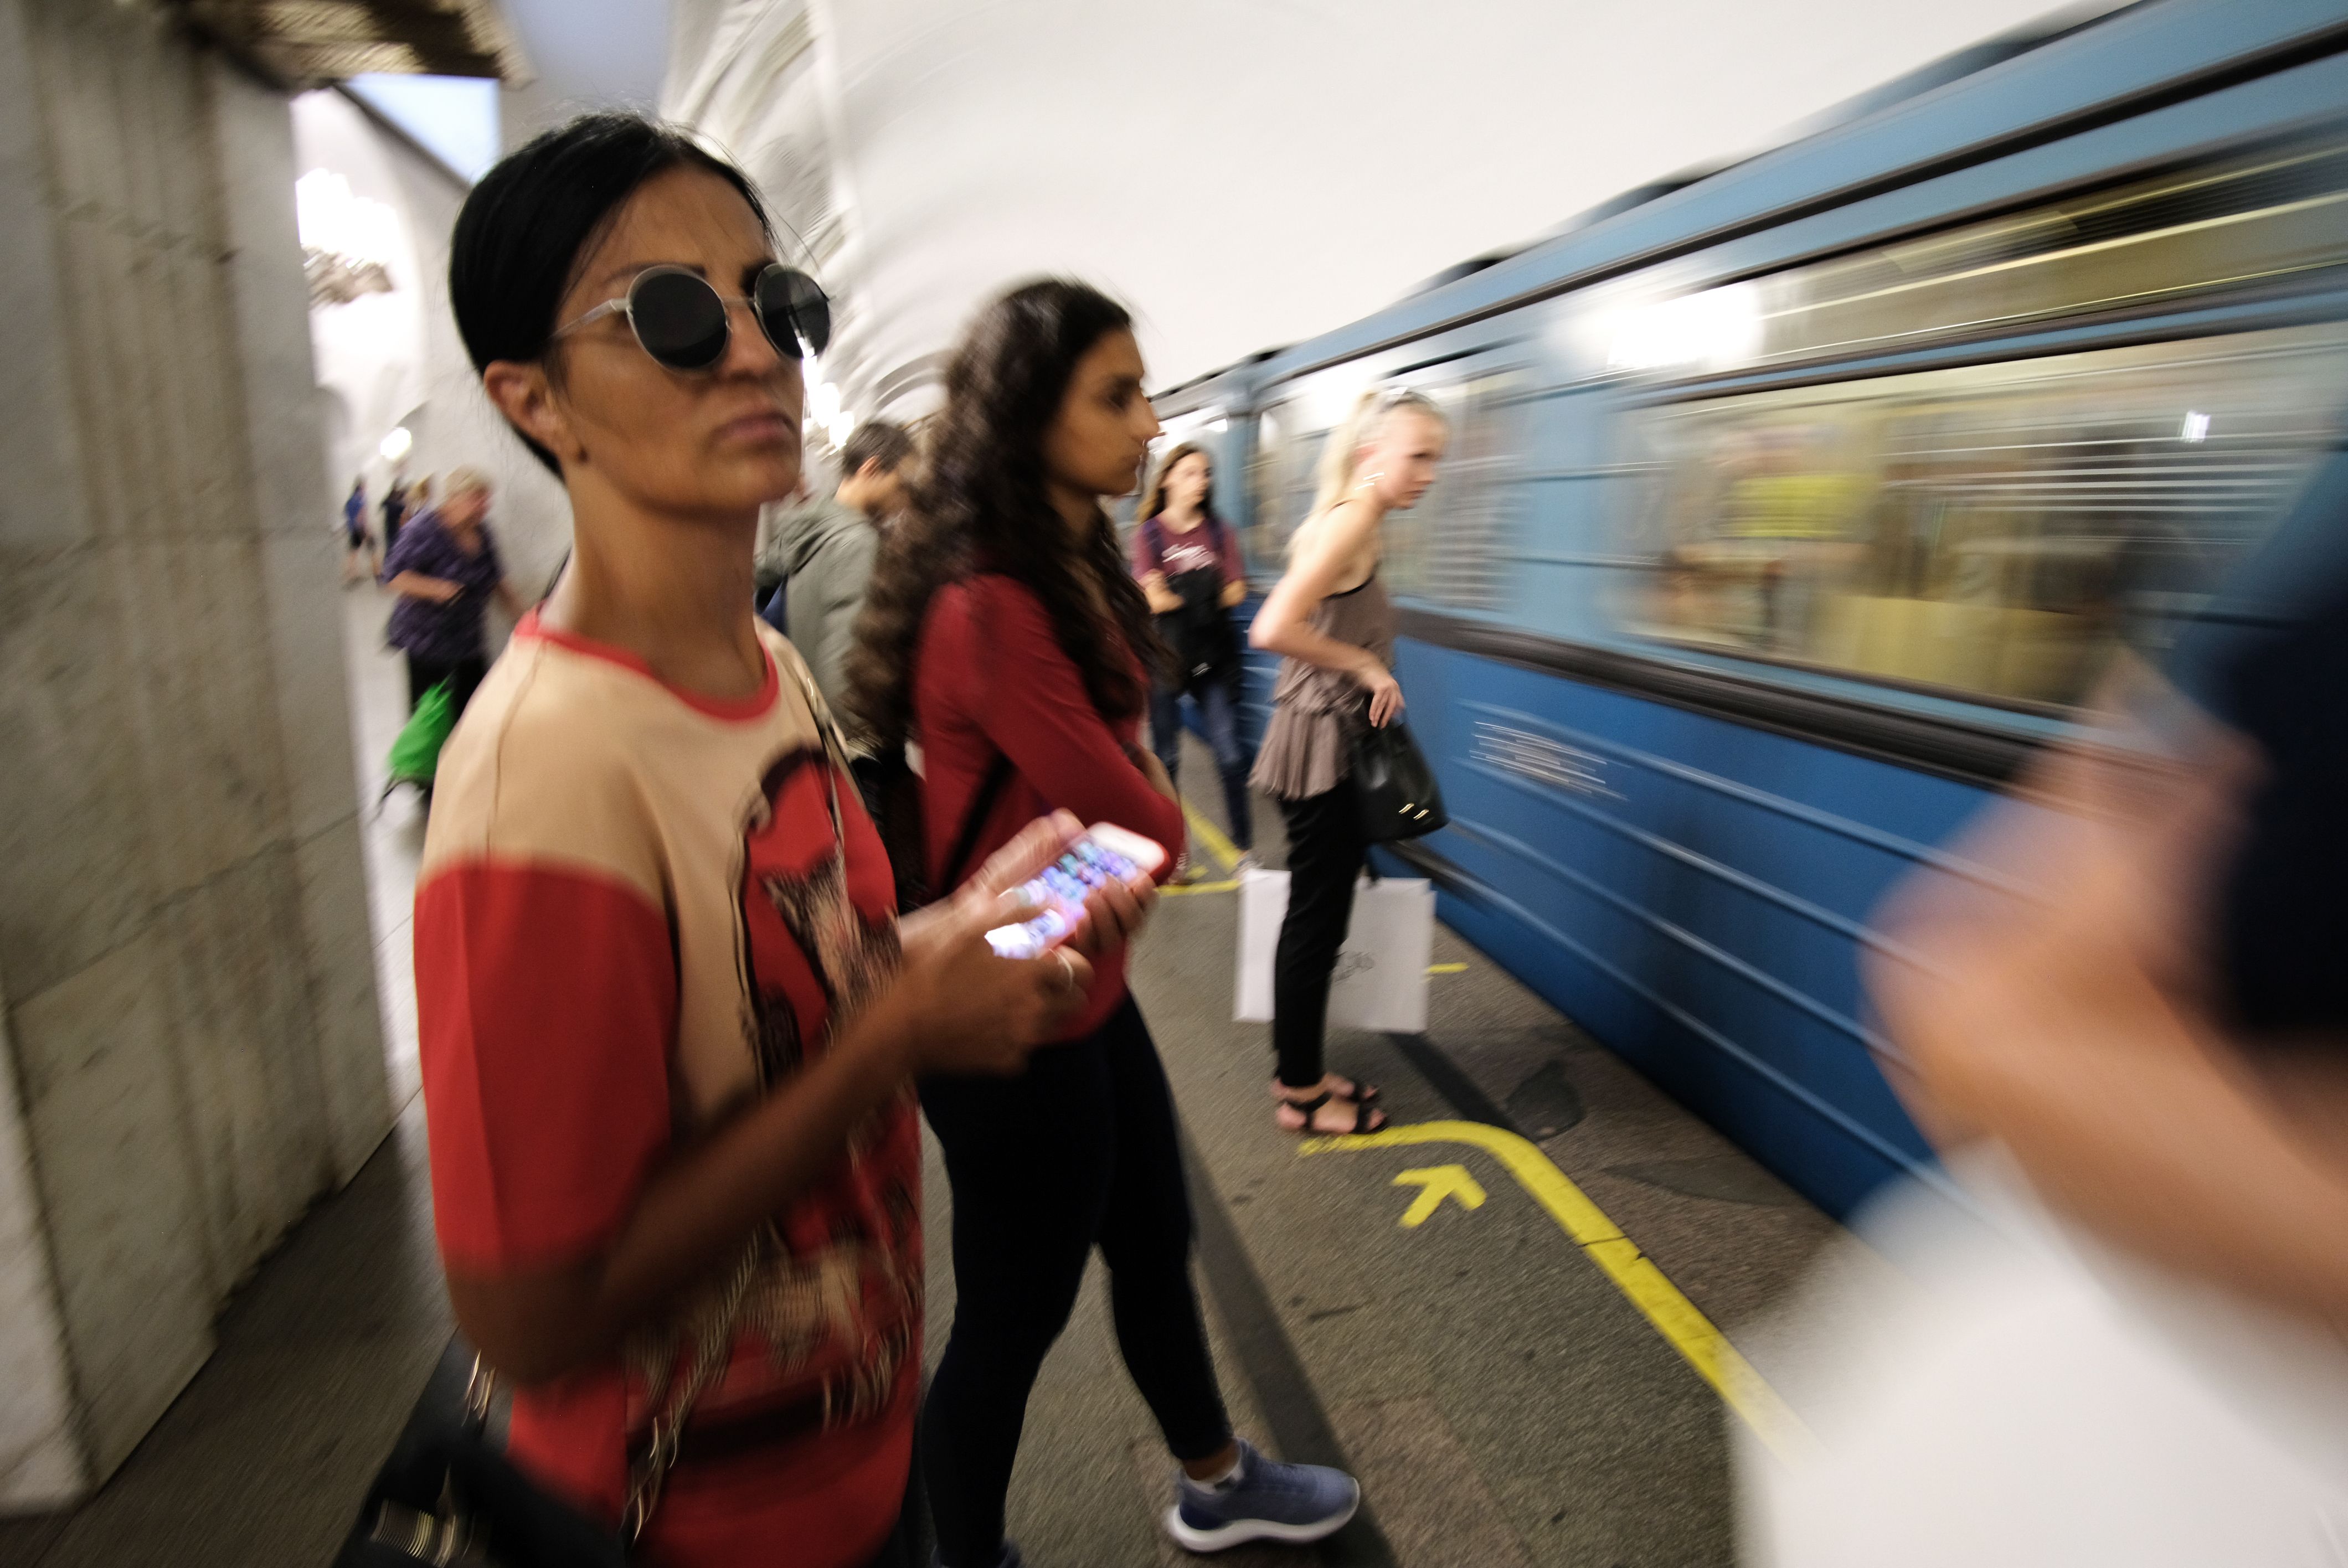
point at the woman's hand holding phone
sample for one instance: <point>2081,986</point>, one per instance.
<point>1096,893</point>
<point>973,1010</point>
<point>1115,914</point>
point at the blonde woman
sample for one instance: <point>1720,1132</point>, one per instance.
<point>1330,618</point>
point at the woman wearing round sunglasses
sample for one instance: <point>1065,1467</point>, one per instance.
<point>669,1022</point>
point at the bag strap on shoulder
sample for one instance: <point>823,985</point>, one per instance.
<point>835,741</point>
<point>974,822</point>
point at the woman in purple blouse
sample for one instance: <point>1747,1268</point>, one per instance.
<point>445,569</point>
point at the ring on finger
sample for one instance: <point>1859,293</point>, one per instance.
<point>1068,980</point>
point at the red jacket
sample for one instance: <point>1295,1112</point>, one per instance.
<point>991,678</point>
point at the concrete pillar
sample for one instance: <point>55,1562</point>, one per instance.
<point>190,1031</point>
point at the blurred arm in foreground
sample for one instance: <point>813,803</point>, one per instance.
<point>2155,1037</point>
<point>2123,1003</point>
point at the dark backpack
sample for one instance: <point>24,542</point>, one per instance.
<point>1205,646</point>
<point>894,799</point>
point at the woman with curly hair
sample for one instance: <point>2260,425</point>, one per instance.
<point>1004,634</point>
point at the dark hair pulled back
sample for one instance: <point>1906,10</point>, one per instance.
<point>876,441</point>
<point>528,227</point>
<point>980,505</point>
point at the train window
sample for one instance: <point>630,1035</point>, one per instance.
<point>1281,483</point>
<point>1446,549</point>
<point>2268,221</point>
<point>1998,530</point>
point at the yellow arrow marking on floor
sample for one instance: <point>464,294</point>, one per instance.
<point>1225,852</point>
<point>1446,968</point>
<point>1436,1184</point>
<point>1635,1274</point>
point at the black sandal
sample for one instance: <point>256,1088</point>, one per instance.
<point>1363,1093</point>
<point>1362,1113</point>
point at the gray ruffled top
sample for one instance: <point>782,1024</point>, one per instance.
<point>1315,711</point>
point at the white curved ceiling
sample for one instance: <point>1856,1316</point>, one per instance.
<point>1243,172</point>
<point>588,53</point>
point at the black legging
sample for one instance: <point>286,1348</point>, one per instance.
<point>1326,849</point>
<point>1078,1152</point>
<point>463,675</point>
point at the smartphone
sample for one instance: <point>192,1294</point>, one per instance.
<point>1106,852</point>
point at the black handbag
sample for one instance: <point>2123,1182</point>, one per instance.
<point>448,1495</point>
<point>1398,794</point>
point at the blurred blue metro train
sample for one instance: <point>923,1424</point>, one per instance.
<point>1791,509</point>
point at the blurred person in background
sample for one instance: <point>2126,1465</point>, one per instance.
<point>1190,572</point>
<point>416,500</point>
<point>765,587</point>
<point>821,556</point>
<point>444,570</point>
<point>2128,1028</point>
<point>1330,618</point>
<point>359,561</point>
<point>395,508</point>
<point>669,1022</point>
<point>1005,633</point>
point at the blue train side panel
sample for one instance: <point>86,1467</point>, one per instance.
<point>1699,886</point>
<point>1696,895</point>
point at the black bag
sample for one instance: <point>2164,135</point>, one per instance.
<point>892,792</point>
<point>1206,645</point>
<point>892,799</point>
<point>1399,797</point>
<point>448,1495</point>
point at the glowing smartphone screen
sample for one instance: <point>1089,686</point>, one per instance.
<point>1061,888</point>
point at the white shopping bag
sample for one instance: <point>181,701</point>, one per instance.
<point>1381,981</point>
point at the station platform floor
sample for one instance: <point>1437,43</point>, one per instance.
<point>1516,1380</point>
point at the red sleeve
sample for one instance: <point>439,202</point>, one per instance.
<point>545,1001</point>
<point>1034,705</point>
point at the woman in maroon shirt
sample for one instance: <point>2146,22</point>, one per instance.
<point>1002,623</point>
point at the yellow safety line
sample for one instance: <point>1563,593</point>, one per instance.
<point>1225,852</point>
<point>1633,1273</point>
<point>1176,892</point>
<point>1446,968</point>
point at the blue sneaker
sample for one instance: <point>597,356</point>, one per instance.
<point>1266,1500</point>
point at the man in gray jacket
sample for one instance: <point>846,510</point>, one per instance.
<point>823,553</point>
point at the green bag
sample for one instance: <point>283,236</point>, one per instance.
<point>415,754</point>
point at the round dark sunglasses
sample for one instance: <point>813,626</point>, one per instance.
<point>682,321</point>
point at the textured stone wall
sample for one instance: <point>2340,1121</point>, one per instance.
<point>184,952</point>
